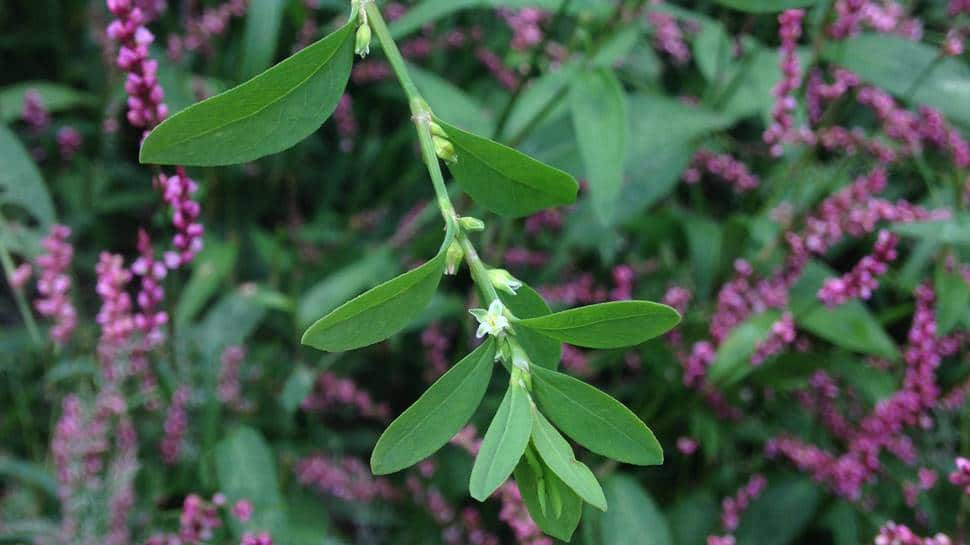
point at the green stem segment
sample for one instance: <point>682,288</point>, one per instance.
<point>8,268</point>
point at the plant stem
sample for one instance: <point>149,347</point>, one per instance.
<point>18,294</point>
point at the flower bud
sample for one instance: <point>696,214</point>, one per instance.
<point>453,258</point>
<point>444,149</point>
<point>471,224</point>
<point>504,281</point>
<point>362,43</point>
<point>436,130</point>
<point>519,358</point>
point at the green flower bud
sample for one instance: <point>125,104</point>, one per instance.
<point>471,224</point>
<point>362,43</point>
<point>444,149</point>
<point>453,258</point>
<point>504,281</point>
<point>436,130</point>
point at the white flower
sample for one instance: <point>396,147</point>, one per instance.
<point>491,322</point>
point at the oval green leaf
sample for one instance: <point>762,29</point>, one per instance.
<point>594,419</point>
<point>559,527</point>
<point>606,325</point>
<point>527,303</point>
<point>265,115</point>
<point>379,313</point>
<point>503,444</point>
<point>558,456</point>
<point>437,415</point>
<point>601,122</point>
<point>504,180</point>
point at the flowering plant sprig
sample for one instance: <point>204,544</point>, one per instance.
<point>524,437</point>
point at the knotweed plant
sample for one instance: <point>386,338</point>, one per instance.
<point>280,107</point>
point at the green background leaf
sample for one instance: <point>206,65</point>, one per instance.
<point>633,518</point>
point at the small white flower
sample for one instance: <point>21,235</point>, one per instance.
<point>491,322</point>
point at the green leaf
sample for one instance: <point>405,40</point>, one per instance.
<point>850,326</point>
<point>606,325</point>
<point>245,469</point>
<point>694,517</point>
<point>209,272</point>
<point>535,98</point>
<point>953,298</point>
<point>634,518</point>
<point>378,313</point>
<point>600,117</point>
<point>263,18</point>
<point>766,6</point>
<point>56,98</point>
<point>733,361</point>
<point>527,303</point>
<point>903,67</point>
<point>297,387</point>
<point>265,115</point>
<point>561,526</point>
<point>704,242</point>
<point>781,514</point>
<point>504,180</point>
<point>29,474</point>
<point>594,419</point>
<point>952,231</point>
<point>558,456</point>
<point>503,444</point>
<point>437,415</point>
<point>343,284</point>
<point>450,102</point>
<point>21,184</point>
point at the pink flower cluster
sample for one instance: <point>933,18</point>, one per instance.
<point>818,92</point>
<point>884,16</point>
<point>935,130</point>
<point>54,284</point>
<point>732,508</point>
<point>550,219</point>
<point>727,168</point>
<point>515,514</point>
<point>348,479</point>
<point>436,344</point>
<point>898,534</point>
<point>19,277</point>
<point>347,128</point>
<point>149,320</point>
<point>331,391</point>
<point>790,31</point>
<point>667,35</point>
<point>177,191</point>
<point>575,361</point>
<point>623,278</point>
<point>496,66</point>
<point>213,21</point>
<point>34,112</point>
<point>114,316</point>
<point>146,106</point>
<point>261,538</point>
<point>199,519</point>
<point>782,334</point>
<point>69,141</point>
<point>229,389</point>
<point>847,141</point>
<point>863,279</point>
<point>176,422</point>
<point>524,257</point>
<point>526,25</point>
<point>961,477</point>
<point>957,7</point>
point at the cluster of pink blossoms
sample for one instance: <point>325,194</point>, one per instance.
<point>790,31</point>
<point>34,112</point>
<point>177,191</point>
<point>727,168</point>
<point>526,25</point>
<point>957,7</point>
<point>961,477</point>
<point>733,507</point>
<point>863,279</point>
<point>146,106</point>
<point>213,21</point>
<point>54,284</point>
<point>114,316</point>
<point>898,534</point>
<point>436,344</point>
<point>331,391</point>
<point>883,16</point>
<point>346,122</point>
<point>69,141</point>
<point>817,92</point>
<point>667,35</point>
<point>229,388</point>
<point>782,334</point>
<point>261,538</point>
<point>176,423</point>
<point>348,479</point>
<point>149,320</point>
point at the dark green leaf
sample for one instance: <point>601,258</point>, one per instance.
<point>704,242</point>
<point>450,102</point>
<point>780,514</point>
<point>600,118</point>
<point>503,444</point>
<point>766,6</point>
<point>733,360</point>
<point>558,456</point>
<point>953,298</point>
<point>265,115</point>
<point>297,387</point>
<point>56,98</point>
<point>952,231</point>
<point>606,325</point>
<point>21,184</point>
<point>27,473</point>
<point>378,313</point>
<point>634,518</point>
<point>504,180</point>
<point>527,303</point>
<point>427,11</point>
<point>246,470</point>
<point>437,415</point>
<point>559,527</point>
<point>594,419</point>
<point>903,67</point>
<point>694,517</point>
<point>263,18</point>
<point>211,268</point>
